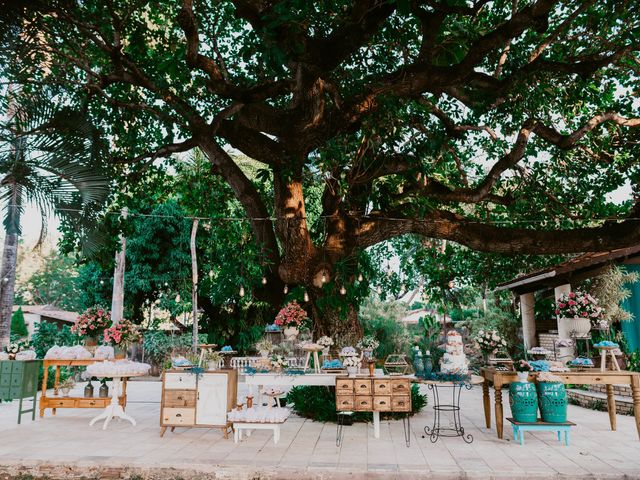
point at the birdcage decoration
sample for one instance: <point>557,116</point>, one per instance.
<point>397,364</point>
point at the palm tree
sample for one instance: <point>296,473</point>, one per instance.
<point>49,157</point>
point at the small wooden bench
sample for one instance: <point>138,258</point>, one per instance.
<point>520,427</point>
<point>239,426</point>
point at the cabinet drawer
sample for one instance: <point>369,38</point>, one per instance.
<point>91,403</point>
<point>400,386</point>
<point>364,403</point>
<point>5,380</point>
<point>382,403</point>
<point>344,385</point>
<point>401,404</point>
<point>61,402</point>
<point>344,403</point>
<point>179,381</point>
<point>178,416</point>
<point>18,367</point>
<point>16,379</point>
<point>363,386</point>
<point>180,398</point>
<point>382,387</point>
<point>5,366</point>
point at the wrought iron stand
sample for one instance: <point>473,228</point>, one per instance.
<point>455,428</point>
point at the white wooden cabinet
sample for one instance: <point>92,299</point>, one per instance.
<point>190,400</point>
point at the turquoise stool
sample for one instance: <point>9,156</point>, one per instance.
<point>520,427</point>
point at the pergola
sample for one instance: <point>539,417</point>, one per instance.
<point>560,277</point>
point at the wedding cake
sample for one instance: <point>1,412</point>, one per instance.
<point>454,360</point>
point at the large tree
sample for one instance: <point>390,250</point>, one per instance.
<point>500,125</point>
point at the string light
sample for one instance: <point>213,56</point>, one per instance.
<point>241,292</point>
<point>360,278</point>
<point>210,273</point>
<point>306,296</point>
<point>343,291</point>
<point>324,277</point>
<point>286,289</point>
<point>264,280</point>
<point>101,282</point>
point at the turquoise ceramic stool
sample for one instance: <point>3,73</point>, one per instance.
<point>520,427</point>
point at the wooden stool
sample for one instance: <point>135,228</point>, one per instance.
<point>608,352</point>
<point>520,427</point>
<point>316,360</point>
<point>204,348</point>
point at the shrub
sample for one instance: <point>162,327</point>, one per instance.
<point>383,322</point>
<point>18,326</point>
<point>319,404</point>
<point>47,335</point>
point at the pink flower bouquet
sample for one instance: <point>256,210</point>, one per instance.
<point>579,304</point>
<point>124,333</point>
<point>291,315</point>
<point>92,322</point>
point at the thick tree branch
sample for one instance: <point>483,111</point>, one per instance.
<point>161,152</point>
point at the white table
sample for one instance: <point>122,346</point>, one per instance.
<point>114,409</point>
<point>308,379</point>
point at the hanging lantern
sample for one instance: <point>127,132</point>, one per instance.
<point>343,291</point>
<point>306,296</point>
<point>264,280</point>
<point>241,292</point>
<point>324,277</point>
<point>360,277</point>
<point>286,289</point>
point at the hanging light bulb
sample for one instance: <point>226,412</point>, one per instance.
<point>210,273</point>
<point>241,292</point>
<point>324,277</point>
<point>343,291</point>
<point>286,289</point>
<point>360,277</point>
<point>264,280</point>
<point>166,284</point>
<point>178,298</point>
<point>306,296</point>
<point>101,282</point>
<point>379,289</point>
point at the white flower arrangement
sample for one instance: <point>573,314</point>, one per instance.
<point>368,343</point>
<point>349,352</point>
<point>351,361</point>
<point>490,341</point>
<point>13,348</point>
<point>279,361</point>
<point>325,341</point>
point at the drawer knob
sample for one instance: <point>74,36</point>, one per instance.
<point>383,403</point>
<point>178,414</point>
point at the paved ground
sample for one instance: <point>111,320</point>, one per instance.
<point>65,446</point>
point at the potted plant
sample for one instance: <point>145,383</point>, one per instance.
<point>352,364</point>
<point>290,317</point>
<point>66,386</point>
<point>120,336</point>
<point>12,350</point>
<point>367,345</point>
<point>212,360</point>
<point>579,311</point>
<point>91,323</point>
<point>264,347</point>
<point>523,368</point>
<point>326,343</point>
<point>279,363</point>
<point>552,398</point>
<point>489,342</point>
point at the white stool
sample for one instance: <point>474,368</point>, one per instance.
<point>239,426</point>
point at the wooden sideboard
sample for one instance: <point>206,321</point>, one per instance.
<point>19,380</point>
<point>57,401</point>
<point>366,394</point>
<point>197,400</point>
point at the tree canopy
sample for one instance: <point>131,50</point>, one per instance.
<point>502,126</point>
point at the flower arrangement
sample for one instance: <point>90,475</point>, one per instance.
<point>92,322</point>
<point>264,345</point>
<point>13,348</point>
<point>278,362</point>
<point>490,341</point>
<point>291,315</point>
<point>124,333</point>
<point>368,343</point>
<point>348,352</point>
<point>325,341</point>
<point>351,361</point>
<point>523,366</point>
<point>579,304</point>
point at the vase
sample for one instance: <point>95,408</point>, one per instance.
<point>103,391</point>
<point>428,364</point>
<point>418,364</point>
<point>65,391</point>
<point>581,326</point>
<point>552,399</point>
<point>523,377</point>
<point>352,371</point>
<point>264,353</point>
<point>12,356</point>
<point>90,341</point>
<point>325,352</point>
<point>523,400</point>
<point>119,352</point>
<point>367,353</point>
<point>213,365</point>
<point>291,333</point>
<point>88,390</point>
<point>372,368</point>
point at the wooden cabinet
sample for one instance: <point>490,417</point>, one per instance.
<point>197,400</point>
<point>19,381</point>
<point>382,394</point>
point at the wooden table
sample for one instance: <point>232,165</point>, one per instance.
<point>609,379</point>
<point>56,401</point>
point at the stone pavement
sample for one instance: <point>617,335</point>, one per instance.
<point>64,446</point>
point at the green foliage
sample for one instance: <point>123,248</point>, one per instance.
<point>505,321</point>
<point>633,361</point>
<point>610,290</point>
<point>383,321</point>
<point>158,345</point>
<point>18,326</point>
<point>319,404</point>
<point>47,335</point>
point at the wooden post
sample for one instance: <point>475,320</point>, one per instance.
<point>194,287</point>
<point>117,297</point>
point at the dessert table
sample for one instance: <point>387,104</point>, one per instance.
<point>609,378</point>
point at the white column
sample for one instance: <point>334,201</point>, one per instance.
<point>527,310</point>
<point>563,331</point>
<point>117,297</point>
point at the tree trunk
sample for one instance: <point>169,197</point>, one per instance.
<point>340,324</point>
<point>117,298</point>
<point>8,268</point>
<point>194,286</point>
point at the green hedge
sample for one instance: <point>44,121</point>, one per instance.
<point>319,404</point>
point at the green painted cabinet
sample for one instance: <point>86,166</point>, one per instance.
<point>19,381</point>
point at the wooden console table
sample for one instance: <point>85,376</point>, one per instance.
<point>56,401</point>
<point>609,379</point>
